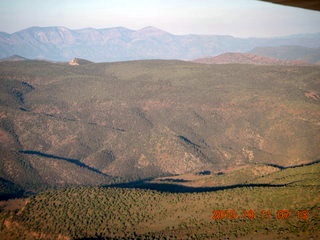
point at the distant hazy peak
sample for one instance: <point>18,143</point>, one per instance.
<point>50,28</point>
<point>14,58</point>
<point>150,30</point>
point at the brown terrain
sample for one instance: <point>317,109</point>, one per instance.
<point>248,58</point>
<point>101,123</point>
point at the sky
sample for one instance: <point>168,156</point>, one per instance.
<point>239,18</point>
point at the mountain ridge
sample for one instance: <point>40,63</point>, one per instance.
<point>58,43</point>
<point>248,58</point>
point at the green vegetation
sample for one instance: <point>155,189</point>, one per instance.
<point>298,176</point>
<point>92,212</point>
<point>115,213</point>
<point>250,174</point>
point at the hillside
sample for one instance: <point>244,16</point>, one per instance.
<point>247,58</point>
<point>286,206</point>
<point>289,53</point>
<point>104,123</point>
<point>254,175</point>
<point>122,44</point>
<point>13,58</point>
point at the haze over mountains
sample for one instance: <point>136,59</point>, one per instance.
<point>120,44</point>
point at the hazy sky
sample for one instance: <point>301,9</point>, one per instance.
<point>243,18</point>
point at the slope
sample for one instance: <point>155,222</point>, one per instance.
<point>92,124</point>
<point>248,58</point>
<point>265,212</point>
<point>310,55</point>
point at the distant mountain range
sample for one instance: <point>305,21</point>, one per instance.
<point>121,44</point>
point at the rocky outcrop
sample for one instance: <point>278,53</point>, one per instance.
<point>78,61</point>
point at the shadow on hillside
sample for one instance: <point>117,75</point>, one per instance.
<point>70,160</point>
<point>9,190</point>
<point>175,188</point>
<point>7,196</point>
<point>294,166</point>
